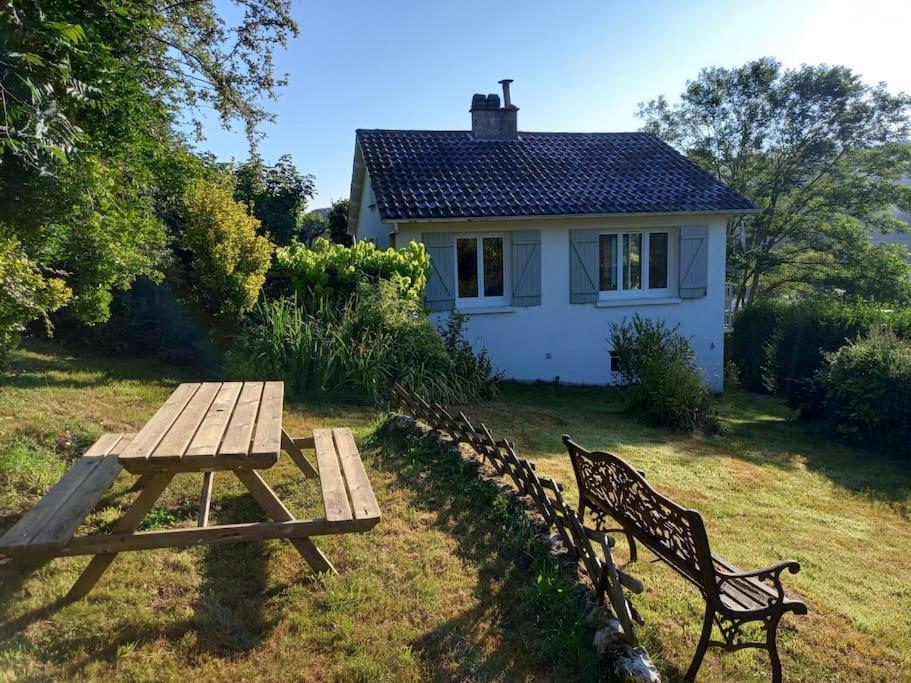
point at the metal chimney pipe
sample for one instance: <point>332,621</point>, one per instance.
<point>506,101</point>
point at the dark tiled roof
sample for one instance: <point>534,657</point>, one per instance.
<point>449,174</point>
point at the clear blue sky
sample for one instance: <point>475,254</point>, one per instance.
<point>578,66</point>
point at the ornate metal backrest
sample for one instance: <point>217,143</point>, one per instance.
<point>677,535</point>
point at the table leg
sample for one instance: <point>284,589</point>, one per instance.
<point>297,455</point>
<point>269,502</point>
<point>153,487</point>
<point>206,498</point>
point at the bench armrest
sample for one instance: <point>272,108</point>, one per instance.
<point>772,573</point>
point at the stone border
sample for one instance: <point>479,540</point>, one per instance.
<point>620,659</point>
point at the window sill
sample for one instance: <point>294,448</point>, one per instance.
<point>485,310</point>
<point>637,301</point>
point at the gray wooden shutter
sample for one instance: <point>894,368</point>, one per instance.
<point>694,261</point>
<point>441,287</point>
<point>583,266</point>
<point>526,268</point>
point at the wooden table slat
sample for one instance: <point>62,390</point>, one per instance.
<point>175,442</point>
<point>335,498</point>
<point>363,500</point>
<point>268,437</point>
<point>209,435</point>
<point>152,432</point>
<point>236,442</point>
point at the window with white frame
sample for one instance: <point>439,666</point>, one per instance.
<point>636,263</point>
<point>481,270</point>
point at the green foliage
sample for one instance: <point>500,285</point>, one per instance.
<point>277,195</point>
<point>337,222</point>
<point>148,320</point>
<point>474,368</point>
<point>93,162</point>
<point>229,259</point>
<point>658,366</point>
<point>779,347</point>
<point>312,225</point>
<point>820,153</point>
<point>27,294</point>
<point>867,389</point>
<point>336,271</point>
<point>355,348</point>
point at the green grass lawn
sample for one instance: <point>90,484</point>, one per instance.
<point>770,488</point>
<point>432,592</point>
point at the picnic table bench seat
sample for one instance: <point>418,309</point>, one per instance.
<point>610,487</point>
<point>50,525</point>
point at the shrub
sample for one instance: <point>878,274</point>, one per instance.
<point>356,348</point>
<point>658,366</point>
<point>229,259</point>
<point>779,347</point>
<point>867,389</point>
<point>27,294</point>
<point>336,271</point>
<point>475,369</point>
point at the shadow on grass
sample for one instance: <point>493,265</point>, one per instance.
<point>55,366</point>
<point>512,584</point>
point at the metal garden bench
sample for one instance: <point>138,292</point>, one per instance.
<point>610,487</point>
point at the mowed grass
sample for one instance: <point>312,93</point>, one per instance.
<point>770,488</point>
<point>433,592</point>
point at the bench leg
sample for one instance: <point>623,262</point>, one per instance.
<point>772,645</point>
<point>269,502</point>
<point>703,644</point>
<point>151,491</point>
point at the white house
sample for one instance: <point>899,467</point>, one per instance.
<point>547,238</point>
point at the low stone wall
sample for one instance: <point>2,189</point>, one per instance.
<point>620,659</point>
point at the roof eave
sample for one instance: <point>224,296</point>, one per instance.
<point>473,219</point>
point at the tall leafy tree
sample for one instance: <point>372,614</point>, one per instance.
<point>819,152</point>
<point>337,222</point>
<point>277,195</point>
<point>94,95</point>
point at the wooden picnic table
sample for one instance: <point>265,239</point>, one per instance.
<point>203,427</point>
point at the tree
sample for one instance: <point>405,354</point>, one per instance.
<point>337,222</point>
<point>277,195</point>
<point>229,259</point>
<point>820,154</point>
<point>312,226</point>
<point>93,164</point>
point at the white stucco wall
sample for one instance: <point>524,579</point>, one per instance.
<point>570,341</point>
<point>369,226</point>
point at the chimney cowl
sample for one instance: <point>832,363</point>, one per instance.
<point>490,121</point>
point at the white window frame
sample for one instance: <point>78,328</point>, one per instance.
<point>482,301</point>
<point>673,241</point>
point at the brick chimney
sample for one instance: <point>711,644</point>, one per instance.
<point>490,121</point>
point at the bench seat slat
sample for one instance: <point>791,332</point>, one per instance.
<point>53,521</point>
<point>363,500</point>
<point>335,498</point>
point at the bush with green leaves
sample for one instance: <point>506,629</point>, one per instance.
<point>335,271</point>
<point>658,366</point>
<point>867,389</point>
<point>27,294</point>
<point>779,347</point>
<point>354,349</point>
<point>230,259</point>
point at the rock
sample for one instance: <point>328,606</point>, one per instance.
<point>607,636</point>
<point>635,666</point>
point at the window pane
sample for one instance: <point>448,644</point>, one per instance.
<point>632,261</point>
<point>493,266</point>
<point>657,260</point>
<point>467,257</point>
<point>607,263</point>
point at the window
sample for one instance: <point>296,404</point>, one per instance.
<point>481,269</point>
<point>634,263</point>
